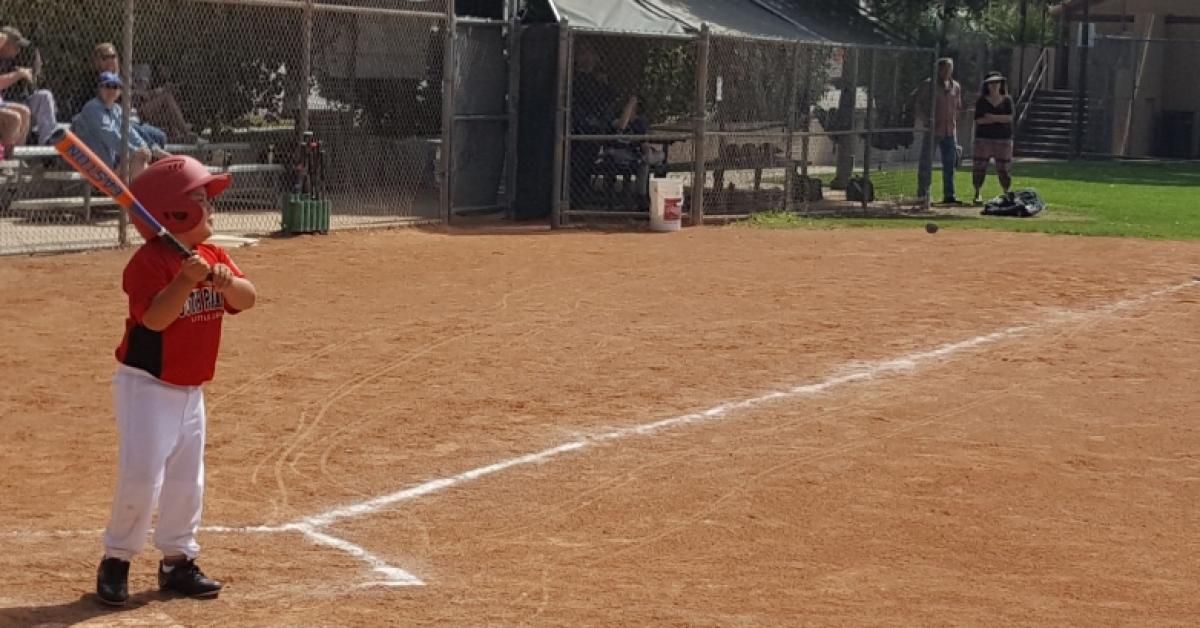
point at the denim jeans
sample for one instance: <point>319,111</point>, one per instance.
<point>948,149</point>
<point>153,135</point>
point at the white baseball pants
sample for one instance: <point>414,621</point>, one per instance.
<point>161,461</point>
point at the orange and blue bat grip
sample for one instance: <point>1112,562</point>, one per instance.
<point>85,162</point>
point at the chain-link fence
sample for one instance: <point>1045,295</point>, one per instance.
<point>45,206</point>
<point>338,102</point>
<point>631,103</point>
<point>397,111</point>
<point>375,105</point>
<point>892,147</point>
<point>1137,106</point>
<point>761,124</point>
<point>750,102</point>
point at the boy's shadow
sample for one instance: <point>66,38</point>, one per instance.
<point>86,607</point>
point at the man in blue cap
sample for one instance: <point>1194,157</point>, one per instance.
<point>99,126</point>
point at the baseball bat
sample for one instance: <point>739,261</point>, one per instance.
<point>86,163</point>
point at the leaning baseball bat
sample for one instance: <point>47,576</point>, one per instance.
<point>86,163</point>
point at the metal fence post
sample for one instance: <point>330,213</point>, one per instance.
<point>870,125</point>
<point>126,113</point>
<point>846,120</point>
<point>789,175</point>
<point>561,168</point>
<point>931,120</point>
<point>1042,34</point>
<point>809,61</point>
<point>1081,92</point>
<point>305,65</point>
<point>514,113</point>
<point>1021,39</point>
<point>699,173</point>
<point>448,112</point>
<point>931,127</point>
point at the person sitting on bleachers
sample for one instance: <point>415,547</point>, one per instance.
<point>158,103</point>
<point>105,58</point>
<point>14,126</point>
<point>99,126</point>
<point>37,106</point>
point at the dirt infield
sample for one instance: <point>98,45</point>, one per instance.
<point>964,428</point>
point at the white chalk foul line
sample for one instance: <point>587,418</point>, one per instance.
<point>246,529</point>
<point>393,576</point>
<point>43,534</point>
<point>850,375</point>
<point>861,373</point>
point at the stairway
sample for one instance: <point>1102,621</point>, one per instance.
<point>1047,131</point>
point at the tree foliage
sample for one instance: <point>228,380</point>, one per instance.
<point>995,22</point>
<point>226,61</point>
<point>669,81</point>
<point>1000,24</point>
<point>64,33</point>
<point>223,61</point>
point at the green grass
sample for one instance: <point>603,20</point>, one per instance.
<point>1132,199</point>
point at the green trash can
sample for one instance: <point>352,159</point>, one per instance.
<point>305,215</point>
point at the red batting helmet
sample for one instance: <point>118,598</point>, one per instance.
<point>163,190</point>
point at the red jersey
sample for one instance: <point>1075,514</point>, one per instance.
<point>185,353</point>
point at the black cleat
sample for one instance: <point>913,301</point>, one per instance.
<point>112,581</point>
<point>187,579</point>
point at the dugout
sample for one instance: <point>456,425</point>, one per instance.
<point>743,96</point>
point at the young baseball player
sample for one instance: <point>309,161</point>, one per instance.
<point>169,351</point>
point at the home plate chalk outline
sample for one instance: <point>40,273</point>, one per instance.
<point>314,527</point>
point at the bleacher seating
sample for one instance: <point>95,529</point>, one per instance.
<point>36,182</point>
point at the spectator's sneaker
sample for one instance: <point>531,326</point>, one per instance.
<point>950,200</point>
<point>187,579</point>
<point>978,200</point>
<point>112,581</point>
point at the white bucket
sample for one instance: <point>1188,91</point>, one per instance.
<point>666,204</point>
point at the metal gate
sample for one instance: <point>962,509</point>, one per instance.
<point>480,174</point>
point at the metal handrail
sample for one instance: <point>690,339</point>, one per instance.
<point>1032,85</point>
<point>1038,69</point>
